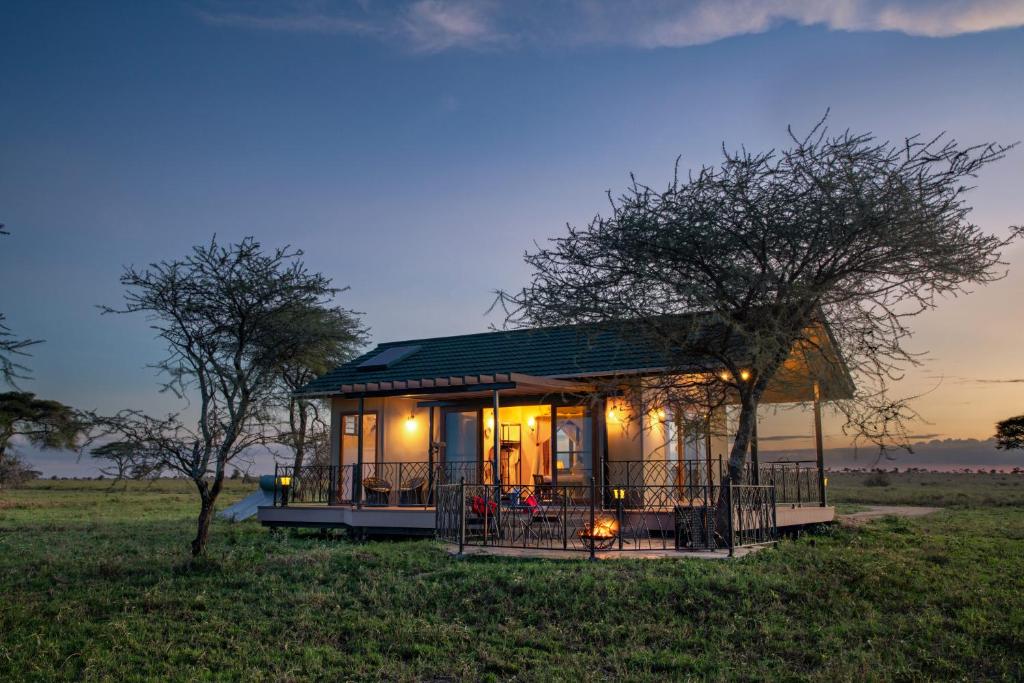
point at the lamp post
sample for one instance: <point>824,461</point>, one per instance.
<point>286,483</point>
<point>620,497</point>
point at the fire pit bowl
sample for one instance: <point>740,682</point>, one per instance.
<point>603,535</point>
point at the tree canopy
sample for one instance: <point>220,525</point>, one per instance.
<point>1010,433</point>
<point>231,318</point>
<point>10,347</point>
<point>43,423</point>
<point>332,335</point>
<point>838,235</point>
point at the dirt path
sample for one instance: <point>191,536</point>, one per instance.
<point>876,511</point>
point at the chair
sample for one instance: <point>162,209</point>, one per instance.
<point>411,492</point>
<point>542,489</point>
<point>377,491</point>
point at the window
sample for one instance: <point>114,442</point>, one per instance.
<point>349,425</point>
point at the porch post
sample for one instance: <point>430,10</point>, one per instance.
<point>707,447</point>
<point>430,454</point>
<point>754,462</point>
<point>496,437</point>
<point>818,446</point>
<point>554,447</point>
<point>598,454</point>
<point>357,476</point>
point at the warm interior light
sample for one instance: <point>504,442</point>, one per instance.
<point>410,423</point>
<point>619,494</point>
<point>531,422</point>
<point>613,416</point>
<point>724,376</point>
<point>744,375</point>
<point>284,481</point>
<point>661,413</point>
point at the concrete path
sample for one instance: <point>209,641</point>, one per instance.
<point>878,511</point>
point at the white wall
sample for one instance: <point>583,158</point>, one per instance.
<point>399,439</point>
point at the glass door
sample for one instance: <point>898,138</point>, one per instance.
<point>462,446</point>
<point>574,451</point>
<point>349,455</point>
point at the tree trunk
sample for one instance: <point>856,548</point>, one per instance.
<point>737,459</point>
<point>741,443</point>
<point>299,433</point>
<point>208,495</point>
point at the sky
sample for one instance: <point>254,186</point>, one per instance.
<point>415,149</point>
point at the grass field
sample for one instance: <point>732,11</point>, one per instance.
<point>96,584</point>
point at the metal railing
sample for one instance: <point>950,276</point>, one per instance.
<point>796,482</point>
<point>578,518</point>
<point>415,483</point>
<point>379,484</point>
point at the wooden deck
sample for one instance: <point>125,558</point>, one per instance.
<point>408,521</point>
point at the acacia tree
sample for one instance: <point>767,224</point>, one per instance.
<point>1010,433</point>
<point>745,264</point>
<point>11,346</point>
<point>331,336</point>
<point>231,317</point>
<point>43,423</point>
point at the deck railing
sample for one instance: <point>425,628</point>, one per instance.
<point>796,482</point>
<point>415,483</point>
<point>578,518</point>
<point>379,484</point>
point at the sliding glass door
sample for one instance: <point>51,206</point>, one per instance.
<point>462,445</point>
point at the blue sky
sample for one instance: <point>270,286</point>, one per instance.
<point>416,149</point>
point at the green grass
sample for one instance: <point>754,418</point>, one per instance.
<point>97,585</point>
<point>929,488</point>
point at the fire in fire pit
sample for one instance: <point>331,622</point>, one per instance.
<point>603,535</point>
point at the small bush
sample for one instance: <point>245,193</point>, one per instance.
<point>14,472</point>
<point>877,479</point>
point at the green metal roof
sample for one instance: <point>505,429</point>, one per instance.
<point>549,352</point>
<point>552,352</point>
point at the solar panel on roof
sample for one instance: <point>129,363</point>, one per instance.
<point>387,358</point>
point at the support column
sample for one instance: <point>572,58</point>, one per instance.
<point>755,464</point>
<point>707,448</point>
<point>497,468</point>
<point>357,476</point>
<point>430,454</point>
<point>497,442</point>
<point>818,445</point>
<point>554,447</point>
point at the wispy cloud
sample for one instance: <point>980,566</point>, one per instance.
<point>420,26</point>
<point>783,437</point>
<point>978,380</point>
<point>661,23</point>
<point>430,26</point>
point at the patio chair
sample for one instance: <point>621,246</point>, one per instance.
<point>542,489</point>
<point>412,491</point>
<point>377,491</point>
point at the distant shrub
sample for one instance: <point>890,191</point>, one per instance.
<point>14,472</point>
<point>877,479</point>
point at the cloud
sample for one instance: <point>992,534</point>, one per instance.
<point>436,25</point>
<point>783,437</point>
<point>431,26</point>
<point>643,23</point>
<point>425,26</point>
<point>979,380</point>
